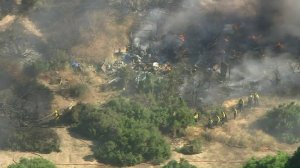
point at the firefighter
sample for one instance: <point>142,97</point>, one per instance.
<point>217,122</point>
<point>210,122</point>
<point>57,114</point>
<point>224,117</point>
<point>250,101</point>
<point>196,117</point>
<point>240,105</point>
<point>235,113</point>
<point>256,99</point>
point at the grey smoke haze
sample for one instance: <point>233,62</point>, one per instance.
<point>206,23</point>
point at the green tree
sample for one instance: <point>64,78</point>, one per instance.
<point>124,133</point>
<point>33,163</point>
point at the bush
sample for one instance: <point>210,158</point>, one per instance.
<point>283,122</point>
<point>43,140</point>
<point>278,161</point>
<point>127,132</point>
<point>182,164</point>
<point>35,68</point>
<point>60,60</point>
<point>77,90</point>
<point>33,163</point>
<point>127,75</point>
<point>193,147</point>
<point>133,146</point>
<point>124,133</point>
<point>30,103</point>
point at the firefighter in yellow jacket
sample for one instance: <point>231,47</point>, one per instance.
<point>235,112</point>
<point>210,123</point>
<point>224,117</point>
<point>256,99</point>
<point>56,114</point>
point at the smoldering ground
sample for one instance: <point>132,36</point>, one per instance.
<point>257,38</point>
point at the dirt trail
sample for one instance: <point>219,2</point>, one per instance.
<point>237,141</point>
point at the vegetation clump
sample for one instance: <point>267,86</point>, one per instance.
<point>281,160</point>
<point>193,147</point>
<point>182,164</point>
<point>77,90</point>
<point>33,163</point>
<point>124,132</point>
<point>42,140</point>
<point>283,122</point>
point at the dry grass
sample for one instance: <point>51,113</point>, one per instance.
<point>104,35</point>
<point>238,140</point>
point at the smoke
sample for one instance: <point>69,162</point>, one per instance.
<point>258,39</point>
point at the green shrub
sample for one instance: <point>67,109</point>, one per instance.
<point>77,90</point>
<point>193,147</point>
<point>182,164</point>
<point>60,60</point>
<point>123,131</point>
<point>127,132</point>
<point>133,146</point>
<point>33,163</point>
<point>43,140</point>
<point>283,122</point>
<point>277,161</point>
<point>127,75</point>
<point>35,68</point>
<point>72,116</point>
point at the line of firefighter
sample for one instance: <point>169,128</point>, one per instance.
<point>253,100</point>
